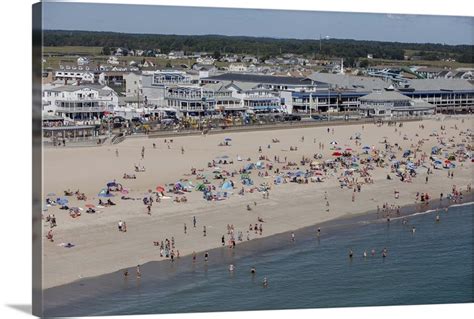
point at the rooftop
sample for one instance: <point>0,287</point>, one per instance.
<point>263,79</point>
<point>383,96</point>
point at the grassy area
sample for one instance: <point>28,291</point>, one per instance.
<point>439,64</point>
<point>70,50</point>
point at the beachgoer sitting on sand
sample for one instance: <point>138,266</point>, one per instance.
<point>90,210</point>
<point>248,207</point>
<point>109,202</point>
<point>49,236</point>
<point>260,220</point>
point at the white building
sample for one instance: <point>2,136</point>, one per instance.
<point>74,76</point>
<point>113,60</point>
<point>80,102</point>
<point>82,60</point>
<point>237,67</point>
<point>393,104</point>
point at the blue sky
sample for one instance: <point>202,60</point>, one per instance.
<point>252,22</point>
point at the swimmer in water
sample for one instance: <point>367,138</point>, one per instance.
<point>413,230</point>
<point>139,274</point>
<point>265,282</point>
<point>319,231</point>
<point>365,254</point>
<point>231,267</point>
<point>373,252</point>
<point>350,253</point>
<point>125,273</point>
<point>292,236</point>
<point>384,252</point>
<point>253,270</point>
<point>437,218</point>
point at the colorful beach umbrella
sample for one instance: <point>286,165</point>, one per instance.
<point>336,154</point>
<point>160,189</point>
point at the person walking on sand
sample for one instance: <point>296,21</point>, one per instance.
<point>194,221</point>
<point>185,228</point>
<point>116,152</point>
<point>223,240</point>
<point>204,231</point>
<point>143,152</point>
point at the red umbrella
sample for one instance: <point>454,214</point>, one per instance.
<point>336,154</point>
<point>160,189</point>
<point>90,206</point>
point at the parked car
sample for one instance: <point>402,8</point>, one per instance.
<point>292,117</point>
<point>319,117</point>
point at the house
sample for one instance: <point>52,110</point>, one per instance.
<point>428,73</point>
<point>73,76</point>
<point>173,55</point>
<point>121,52</point>
<point>230,58</point>
<point>237,67</point>
<point>83,60</point>
<point>205,60</point>
<point>250,59</point>
<point>113,60</point>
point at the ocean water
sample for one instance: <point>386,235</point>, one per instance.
<point>433,265</point>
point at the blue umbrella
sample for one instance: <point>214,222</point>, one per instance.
<point>103,193</point>
<point>366,147</point>
<point>62,201</point>
<point>227,139</point>
<point>111,184</point>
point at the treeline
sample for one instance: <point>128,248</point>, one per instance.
<point>259,46</point>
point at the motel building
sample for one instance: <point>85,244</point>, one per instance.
<point>191,100</point>
<point>262,101</point>
<point>393,104</point>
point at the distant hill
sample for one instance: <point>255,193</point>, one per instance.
<point>261,46</point>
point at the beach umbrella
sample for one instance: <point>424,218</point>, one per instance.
<point>227,139</point>
<point>103,193</point>
<point>349,149</point>
<point>89,205</point>
<point>336,154</point>
<point>111,184</point>
<point>62,201</point>
<point>366,147</point>
<point>160,189</point>
<point>333,143</point>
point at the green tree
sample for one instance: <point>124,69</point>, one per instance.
<point>364,63</point>
<point>216,55</point>
<point>105,51</point>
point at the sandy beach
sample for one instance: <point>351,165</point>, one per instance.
<point>100,248</point>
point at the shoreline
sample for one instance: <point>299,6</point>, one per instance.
<point>164,271</point>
